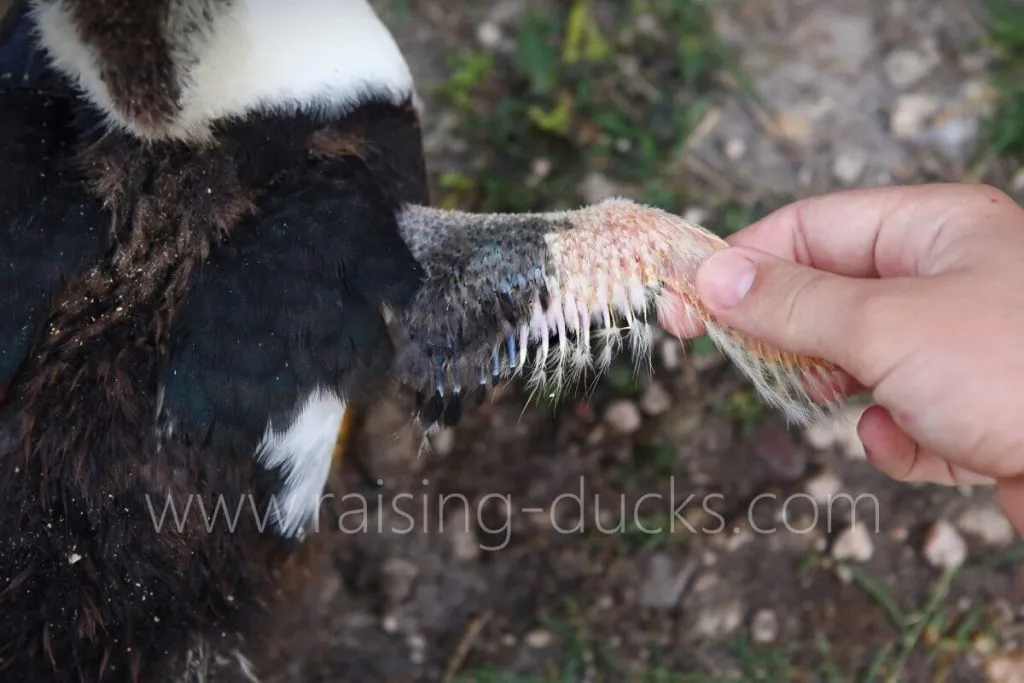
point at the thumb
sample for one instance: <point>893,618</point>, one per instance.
<point>790,306</point>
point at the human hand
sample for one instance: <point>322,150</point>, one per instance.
<point>917,293</point>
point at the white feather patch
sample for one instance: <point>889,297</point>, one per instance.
<point>302,453</point>
<point>317,56</point>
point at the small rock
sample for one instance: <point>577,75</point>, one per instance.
<point>823,487</point>
<point>488,34</point>
<point>735,149</point>
<point>647,23</point>
<point>540,169</point>
<point>597,187</point>
<point>853,543</point>
<point>390,624</point>
<point>443,442</point>
<point>795,127</point>
<point>671,354</point>
<point>944,547</point>
<point>696,215</point>
<point>989,525</point>
<point>974,62</point>
<point>706,582</point>
<point>74,558</point>
<point>764,627</point>
<point>461,532</point>
<point>664,583</point>
<point>539,638</point>
<point>910,115</point>
<point>741,536</point>
<point>623,416</point>
<point>906,68</point>
<point>417,645</point>
<point>655,400</point>
<point>956,137</point>
<point>820,435</point>
<point>1006,668</point>
<point>1017,182</point>
<point>399,576</point>
<point>849,166</point>
<point>983,644</point>
<point>840,431</point>
<point>719,621</point>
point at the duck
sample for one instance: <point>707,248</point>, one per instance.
<point>218,251</point>
<point>196,261</point>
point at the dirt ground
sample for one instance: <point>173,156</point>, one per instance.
<point>713,543</point>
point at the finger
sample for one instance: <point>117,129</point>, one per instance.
<point>896,454</point>
<point>1010,493</point>
<point>876,232</point>
<point>790,306</point>
<point>679,318</point>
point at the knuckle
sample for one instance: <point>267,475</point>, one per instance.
<point>868,339</point>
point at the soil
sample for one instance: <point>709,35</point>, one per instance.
<point>510,580</point>
<point>473,560</point>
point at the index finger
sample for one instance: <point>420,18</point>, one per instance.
<point>875,232</point>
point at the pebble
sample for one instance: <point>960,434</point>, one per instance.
<point>764,627</point>
<point>849,166</point>
<point>597,187</point>
<point>443,442</point>
<point>905,68</point>
<point>721,620</point>
<point>655,400</point>
<point>665,582</point>
<point>944,547</point>
<point>488,34</point>
<point>1017,183</point>
<point>956,137</point>
<point>823,487</point>
<point>989,525</point>
<point>840,431</point>
<point>1005,668</point>
<point>417,645</point>
<point>539,638</point>
<point>910,115</point>
<point>706,582</point>
<point>794,127</point>
<point>853,543</point>
<point>647,23</point>
<point>697,215</point>
<point>671,354</point>
<point>390,624</point>
<point>461,533</point>
<point>623,416</point>
<point>735,149</point>
<point>399,576</point>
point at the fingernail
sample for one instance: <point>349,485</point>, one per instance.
<point>726,278</point>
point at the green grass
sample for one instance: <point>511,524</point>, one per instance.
<point>933,633</point>
<point>1006,129</point>
<point>567,103</point>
